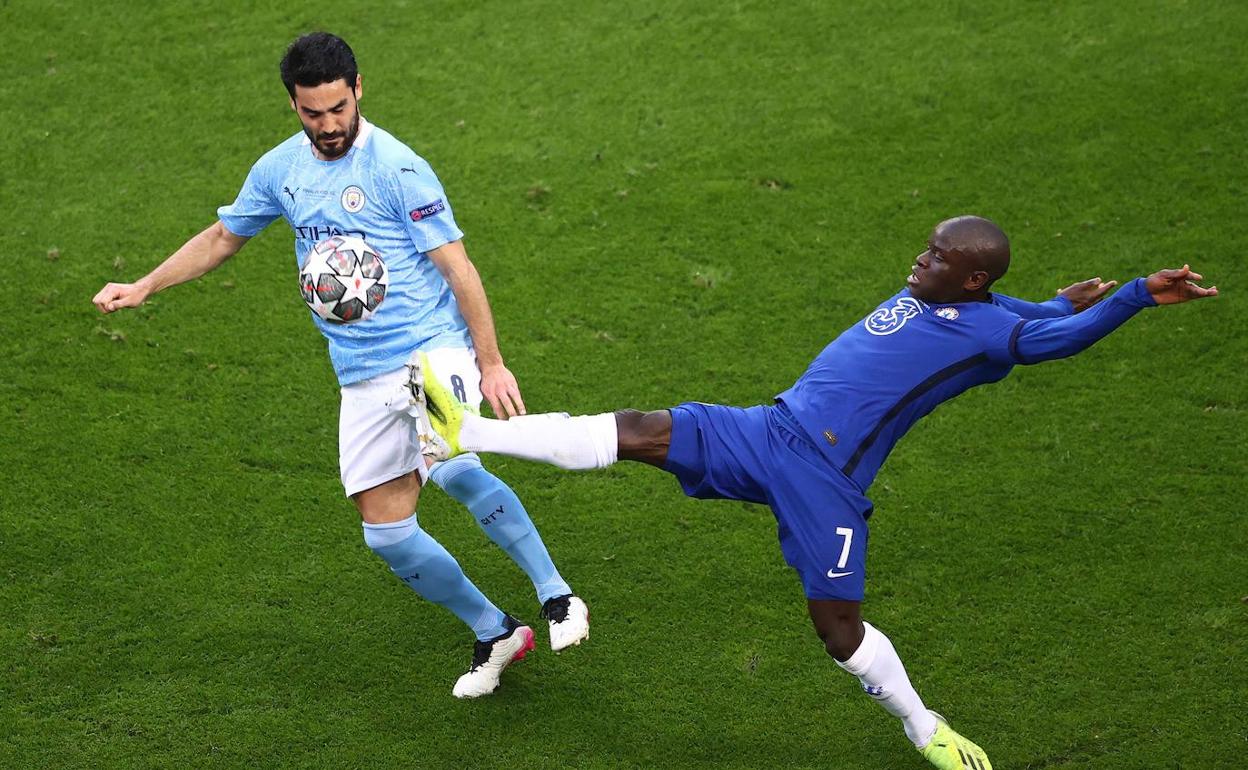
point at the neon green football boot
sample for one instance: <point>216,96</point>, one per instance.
<point>950,751</point>
<point>445,412</point>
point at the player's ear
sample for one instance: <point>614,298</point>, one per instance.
<point>977,280</point>
<point>359,87</point>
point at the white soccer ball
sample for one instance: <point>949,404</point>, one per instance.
<point>344,279</point>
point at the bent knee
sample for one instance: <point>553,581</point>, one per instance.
<point>842,646</point>
<point>841,637</point>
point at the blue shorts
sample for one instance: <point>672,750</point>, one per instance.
<point>761,455</point>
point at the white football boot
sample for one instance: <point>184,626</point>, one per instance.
<point>490,658</point>
<point>569,621</point>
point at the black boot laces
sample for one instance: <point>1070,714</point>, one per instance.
<point>480,654</point>
<point>556,609</point>
<point>481,650</point>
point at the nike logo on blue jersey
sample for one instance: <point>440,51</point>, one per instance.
<point>834,574</point>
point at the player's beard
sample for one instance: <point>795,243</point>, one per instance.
<point>329,152</point>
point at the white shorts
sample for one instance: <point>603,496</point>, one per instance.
<point>378,439</point>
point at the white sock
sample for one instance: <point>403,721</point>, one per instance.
<point>573,443</point>
<point>877,666</point>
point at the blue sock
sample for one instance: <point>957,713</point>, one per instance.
<point>502,517</point>
<point>427,568</point>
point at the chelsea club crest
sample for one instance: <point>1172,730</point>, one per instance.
<point>947,313</point>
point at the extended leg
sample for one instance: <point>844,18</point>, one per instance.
<point>577,443</point>
<point>573,443</point>
<point>865,652</point>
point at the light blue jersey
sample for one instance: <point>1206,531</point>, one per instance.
<point>386,194</point>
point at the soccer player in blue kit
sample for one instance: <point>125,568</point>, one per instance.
<point>813,454</point>
<point>343,175</point>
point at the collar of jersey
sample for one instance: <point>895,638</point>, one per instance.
<point>926,304</point>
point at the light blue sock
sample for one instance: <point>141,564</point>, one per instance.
<point>427,568</point>
<point>502,517</point>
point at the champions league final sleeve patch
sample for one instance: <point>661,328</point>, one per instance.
<point>428,210</point>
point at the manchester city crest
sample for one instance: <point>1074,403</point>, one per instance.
<point>353,199</point>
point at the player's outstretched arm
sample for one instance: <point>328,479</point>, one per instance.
<point>1072,299</point>
<point>498,384</point>
<point>1170,287</point>
<point>1044,340</point>
<point>202,253</point>
<point>1085,294</point>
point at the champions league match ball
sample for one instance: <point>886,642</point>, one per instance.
<point>344,279</point>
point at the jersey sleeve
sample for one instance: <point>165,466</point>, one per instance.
<point>254,208</point>
<point>1031,341</point>
<point>1053,308</point>
<point>425,210</point>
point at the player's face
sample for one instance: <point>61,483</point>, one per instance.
<point>941,272</point>
<point>330,114</point>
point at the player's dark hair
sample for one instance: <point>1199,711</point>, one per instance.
<point>317,58</point>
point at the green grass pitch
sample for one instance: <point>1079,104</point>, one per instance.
<point>668,201</point>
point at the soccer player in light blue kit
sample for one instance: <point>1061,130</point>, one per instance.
<point>813,454</point>
<point>344,176</point>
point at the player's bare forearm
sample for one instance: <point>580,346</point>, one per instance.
<point>204,252</point>
<point>465,282</point>
<point>498,384</point>
<point>475,308</point>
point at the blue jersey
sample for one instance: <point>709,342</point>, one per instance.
<point>865,390</point>
<point>386,194</point>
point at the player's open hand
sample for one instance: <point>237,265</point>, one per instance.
<point>115,296</point>
<point>1169,287</point>
<point>1085,294</point>
<point>499,387</point>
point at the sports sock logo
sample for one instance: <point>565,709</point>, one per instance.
<point>488,520</point>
